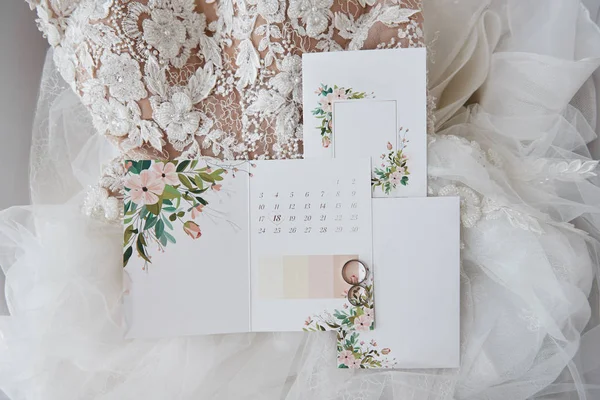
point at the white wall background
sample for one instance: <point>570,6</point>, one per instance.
<point>22,52</point>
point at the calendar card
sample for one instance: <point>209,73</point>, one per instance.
<point>218,247</point>
<point>416,248</point>
<point>370,104</point>
<point>308,219</point>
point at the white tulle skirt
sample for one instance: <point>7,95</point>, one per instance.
<point>515,110</point>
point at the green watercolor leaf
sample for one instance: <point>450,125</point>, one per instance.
<point>140,247</point>
<point>159,228</point>
<point>170,193</point>
<point>127,255</point>
<point>185,181</point>
<point>182,165</point>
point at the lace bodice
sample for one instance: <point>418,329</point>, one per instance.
<point>172,78</point>
<point>168,79</point>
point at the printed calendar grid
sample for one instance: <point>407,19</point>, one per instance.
<point>333,210</point>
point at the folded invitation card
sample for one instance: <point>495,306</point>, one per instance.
<point>217,247</point>
<point>370,104</point>
<point>416,248</point>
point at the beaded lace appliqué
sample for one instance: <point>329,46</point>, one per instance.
<point>162,79</point>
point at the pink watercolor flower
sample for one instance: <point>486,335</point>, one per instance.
<point>345,305</point>
<point>355,364</point>
<point>196,211</point>
<point>363,323</point>
<point>339,94</point>
<point>346,357</point>
<point>395,177</point>
<point>308,321</point>
<point>389,146</point>
<point>326,142</point>
<point>128,165</point>
<point>369,312</point>
<point>192,229</point>
<point>362,342</point>
<point>216,188</point>
<point>386,351</point>
<point>327,102</point>
<point>144,188</point>
<point>165,172</point>
<point>373,343</point>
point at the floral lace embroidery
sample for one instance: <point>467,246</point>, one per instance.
<point>164,80</point>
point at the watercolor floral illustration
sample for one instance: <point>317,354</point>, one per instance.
<point>349,323</point>
<point>161,196</point>
<point>393,170</point>
<point>324,111</point>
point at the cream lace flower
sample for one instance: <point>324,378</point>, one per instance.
<point>313,13</point>
<point>165,32</point>
<point>289,80</point>
<point>177,118</point>
<point>273,11</point>
<point>100,205</point>
<point>92,90</point>
<point>470,203</point>
<point>100,9</point>
<point>123,77</point>
<point>112,117</point>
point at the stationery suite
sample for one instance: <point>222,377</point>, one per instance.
<point>344,240</point>
<point>243,246</point>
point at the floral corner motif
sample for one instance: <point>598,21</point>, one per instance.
<point>393,170</point>
<point>160,195</point>
<point>355,353</point>
<point>349,323</point>
<point>324,111</point>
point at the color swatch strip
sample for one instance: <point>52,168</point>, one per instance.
<point>302,276</point>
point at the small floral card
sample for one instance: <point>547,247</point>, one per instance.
<point>221,247</point>
<point>416,251</point>
<point>370,103</point>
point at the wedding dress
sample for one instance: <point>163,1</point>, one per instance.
<point>513,109</point>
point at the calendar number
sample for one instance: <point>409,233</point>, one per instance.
<point>354,217</point>
<point>307,218</point>
<point>323,217</point>
<point>261,230</point>
<point>292,206</point>
<point>323,229</point>
<point>338,229</point>
<point>277,230</point>
<point>307,229</point>
<point>293,230</point>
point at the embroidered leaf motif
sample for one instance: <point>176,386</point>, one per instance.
<point>248,62</point>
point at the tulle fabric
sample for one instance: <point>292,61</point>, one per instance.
<point>515,112</point>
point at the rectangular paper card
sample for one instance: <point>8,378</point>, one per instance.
<point>370,104</point>
<point>216,247</point>
<point>416,246</point>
